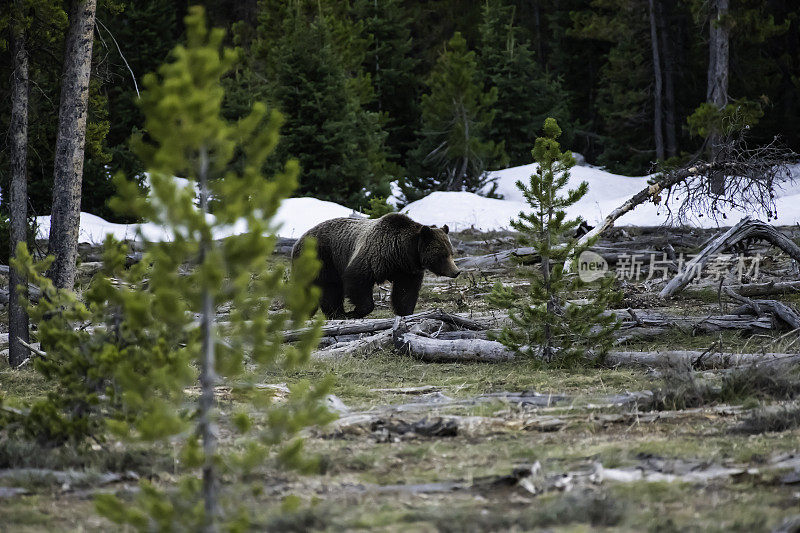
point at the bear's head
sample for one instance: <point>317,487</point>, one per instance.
<point>436,252</point>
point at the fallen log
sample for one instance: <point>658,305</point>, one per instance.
<point>486,351</point>
<point>698,359</point>
<point>531,479</point>
<point>372,325</point>
<point>770,287</point>
<point>393,427</point>
<point>747,228</point>
<point>66,479</point>
<point>528,255</point>
<point>706,324</point>
<point>33,294</point>
<point>495,259</point>
<point>777,309</point>
<point>444,351</point>
<point>465,335</point>
<point>364,346</point>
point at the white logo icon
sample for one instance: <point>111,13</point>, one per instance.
<point>591,266</point>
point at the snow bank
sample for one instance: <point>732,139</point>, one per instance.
<point>298,215</point>
<point>607,191</point>
<point>463,210</point>
<point>294,217</point>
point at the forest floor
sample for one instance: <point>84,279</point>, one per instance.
<point>479,446</point>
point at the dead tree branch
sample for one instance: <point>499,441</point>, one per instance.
<point>751,178</point>
<point>747,228</point>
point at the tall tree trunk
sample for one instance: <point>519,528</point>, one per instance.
<point>18,202</point>
<point>717,92</point>
<point>208,377</point>
<point>658,129</point>
<point>662,12</point>
<point>68,168</point>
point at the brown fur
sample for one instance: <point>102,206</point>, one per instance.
<point>358,253</point>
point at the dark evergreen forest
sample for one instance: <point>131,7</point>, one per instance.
<point>432,93</point>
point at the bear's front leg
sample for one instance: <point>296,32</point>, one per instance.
<point>405,291</point>
<point>332,300</point>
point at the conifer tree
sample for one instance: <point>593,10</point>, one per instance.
<point>129,370</point>
<point>526,94</point>
<point>624,106</point>
<point>544,324</point>
<point>392,67</point>
<point>340,144</point>
<point>455,149</point>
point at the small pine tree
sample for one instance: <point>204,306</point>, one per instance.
<point>102,352</point>
<point>545,325</point>
<point>455,151</point>
<point>155,332</point>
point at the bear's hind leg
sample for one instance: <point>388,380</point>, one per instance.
<point>362,301</point>
<point>360,295</point>
<point>332,300</point>
<point>405,291</point>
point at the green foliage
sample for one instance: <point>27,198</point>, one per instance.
<point>592,68</point>
<point>741,114</point>
<point>146,31</point>
<point>377,207</point>
<point>320,88</point>
<point>392,66</point>
<point>545,325</point>
<point>455,150</point>
<point>624,105</point>
<point>114,357</point>
<point>526,94</point>
<point>5,236</point>
<point>123,359</point>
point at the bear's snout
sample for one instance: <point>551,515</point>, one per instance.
<point>450,269</point>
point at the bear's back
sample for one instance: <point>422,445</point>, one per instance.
<point>337,240</point>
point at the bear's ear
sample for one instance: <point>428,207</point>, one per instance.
<point>445,229</point>
<point>426,231</point>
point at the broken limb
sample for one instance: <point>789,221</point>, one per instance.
<point>747,228</point>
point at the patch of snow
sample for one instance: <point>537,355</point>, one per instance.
<point>463,210</point>
<point>298,215</point>
<point>607,191</point>
<point>295,216</point>
<point>396,197</point>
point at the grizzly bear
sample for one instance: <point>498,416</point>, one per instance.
<point>358,253</point>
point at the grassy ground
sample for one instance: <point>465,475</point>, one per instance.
<point>367,481</point>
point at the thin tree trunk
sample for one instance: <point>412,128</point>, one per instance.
<point>537,18</point>
<point>18,202</point>
<point>70,141</point>
<point>717,91</point>
<point>208,378</point>
<point>548,334</point>
<point>658,129</point>
<point>669,85</point>
<point>462,174</point>
<point>719,42</point>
